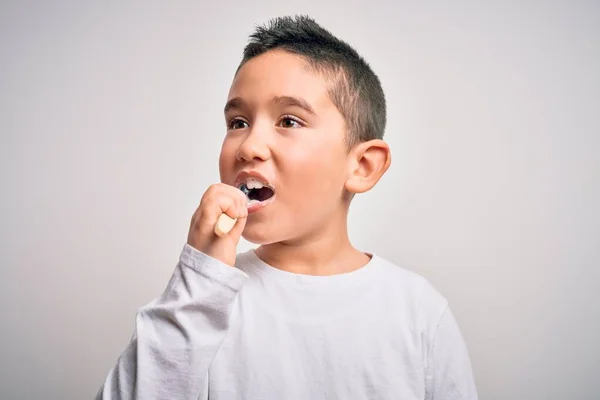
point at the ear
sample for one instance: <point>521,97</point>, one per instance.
<point>367,163</point>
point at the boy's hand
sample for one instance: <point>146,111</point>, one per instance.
<point>219,198</point>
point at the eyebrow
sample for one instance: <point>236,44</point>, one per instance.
<point>294,102</point>
<point>238,102</point>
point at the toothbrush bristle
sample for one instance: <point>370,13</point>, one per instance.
<point>245,189</point>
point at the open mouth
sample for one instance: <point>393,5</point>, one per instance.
<point>256,191</point>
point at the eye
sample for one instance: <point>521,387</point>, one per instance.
<point>237,123</point>
<point>288,121</point>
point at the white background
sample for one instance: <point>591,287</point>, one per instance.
<point>111,123</point>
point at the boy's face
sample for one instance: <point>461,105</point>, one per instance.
<point>282,125</point>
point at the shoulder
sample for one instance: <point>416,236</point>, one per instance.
<point>243,261</point>
<point>420,297</point>
<point>409,282</point>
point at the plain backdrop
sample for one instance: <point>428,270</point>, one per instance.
<point>111,123</point>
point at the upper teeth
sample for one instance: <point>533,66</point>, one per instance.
<point>254,184</point>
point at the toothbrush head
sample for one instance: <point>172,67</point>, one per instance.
<point>245,189</point>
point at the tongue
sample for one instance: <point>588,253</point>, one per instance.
<point>260,194</point>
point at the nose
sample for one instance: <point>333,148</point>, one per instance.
<point>254,147</point>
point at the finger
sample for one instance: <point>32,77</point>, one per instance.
<point>243,208</point>
<point>228,206</point>
<point>238,228</point>
<point>212,209</point>
<point>241,200</point>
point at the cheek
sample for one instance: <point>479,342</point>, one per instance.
<point>316,173</point>
<point>226,158</point>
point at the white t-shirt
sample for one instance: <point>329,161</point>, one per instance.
<point>258,332</point>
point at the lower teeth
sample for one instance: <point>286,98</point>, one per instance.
<point>252,202</point>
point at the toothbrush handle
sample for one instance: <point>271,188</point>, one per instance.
<point>224,224</point>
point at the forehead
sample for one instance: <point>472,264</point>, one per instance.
<point>279,73</point>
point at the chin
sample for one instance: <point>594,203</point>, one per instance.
<point>263,234</point>
<point>257,237</point>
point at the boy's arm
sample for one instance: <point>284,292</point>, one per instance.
<point>178,334</point>
<point>450,376</point>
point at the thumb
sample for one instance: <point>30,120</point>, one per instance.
<point>238,228</point>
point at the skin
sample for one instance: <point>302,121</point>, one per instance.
<point>304,157</point>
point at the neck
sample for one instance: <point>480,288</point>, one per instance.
<point>324,251</point>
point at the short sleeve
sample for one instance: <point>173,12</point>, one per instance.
<point>449,375</point>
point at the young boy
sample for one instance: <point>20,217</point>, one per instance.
<point>306,315</point>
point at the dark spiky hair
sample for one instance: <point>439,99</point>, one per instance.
<point>354,88</point>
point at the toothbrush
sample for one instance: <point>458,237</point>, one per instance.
<point>225,223</point>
